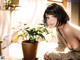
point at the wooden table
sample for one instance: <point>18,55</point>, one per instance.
<point>14,58</point>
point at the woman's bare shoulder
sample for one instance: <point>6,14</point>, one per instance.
<point>67,28</point>
<point>71,28</point>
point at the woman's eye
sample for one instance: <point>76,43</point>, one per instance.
<point>52,16</point>
<point>47,17</point>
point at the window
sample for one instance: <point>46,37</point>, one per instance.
<point>62,2</point>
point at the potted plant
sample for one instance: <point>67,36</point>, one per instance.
<point>10,5</point>
<point>31,37</point>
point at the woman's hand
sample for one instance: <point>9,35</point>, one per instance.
<point>46,56</point>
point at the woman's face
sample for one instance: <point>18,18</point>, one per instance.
<point>51,20</point>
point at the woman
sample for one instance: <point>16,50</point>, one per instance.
<point>68,35</point>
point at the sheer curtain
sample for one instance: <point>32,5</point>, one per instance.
<point>4,27</point>
<point>29,12</point>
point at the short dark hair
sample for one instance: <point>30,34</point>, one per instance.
<point>58,12</point>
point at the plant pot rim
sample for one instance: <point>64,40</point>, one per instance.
<point>27,41</point>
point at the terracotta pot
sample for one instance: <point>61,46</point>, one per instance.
<point>16,2</point>
<point>29,50</point>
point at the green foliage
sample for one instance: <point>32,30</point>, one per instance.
<point>9,5</point>
<point>34,33</point>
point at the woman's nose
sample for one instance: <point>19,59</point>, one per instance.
<point>50,20</point>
